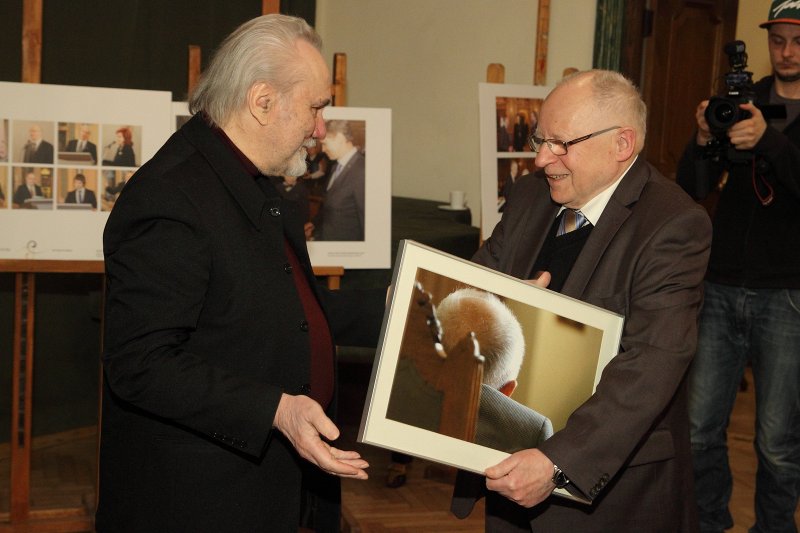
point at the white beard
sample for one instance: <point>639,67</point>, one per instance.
<point>297,164</point>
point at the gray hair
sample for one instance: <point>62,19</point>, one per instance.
<point>616,96</point>
<point>496,328</point>
<point>262,49</point>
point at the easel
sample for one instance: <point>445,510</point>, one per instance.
<point>20,516</point>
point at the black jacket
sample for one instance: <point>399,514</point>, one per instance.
<point>204,331</point>
<point>753,246</point>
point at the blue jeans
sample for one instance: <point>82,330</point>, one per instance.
<point>762,325</point>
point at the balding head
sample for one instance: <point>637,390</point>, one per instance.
<point>496,329</point>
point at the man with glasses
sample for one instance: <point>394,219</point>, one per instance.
<point>638,247</point>
<point>752,291</point>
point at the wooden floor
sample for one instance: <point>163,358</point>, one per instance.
<point>422,504</point>
<point>64,471</point>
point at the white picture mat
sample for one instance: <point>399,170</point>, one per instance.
<point>375,250</point>
<point>68,234</point>
<point>378,430</point>
<point>487,124</point>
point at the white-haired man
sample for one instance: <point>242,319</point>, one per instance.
<point>218,342</point>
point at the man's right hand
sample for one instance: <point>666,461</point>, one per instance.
<point>303,422</point>
<point>703,131</point>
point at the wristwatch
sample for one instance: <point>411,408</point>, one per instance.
<point>560,479</point>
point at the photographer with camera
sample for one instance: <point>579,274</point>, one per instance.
<point>748,149</point>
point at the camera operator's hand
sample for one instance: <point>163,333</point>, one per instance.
<point>745,134</point>
<point>703,131</point>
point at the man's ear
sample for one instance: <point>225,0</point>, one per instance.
<point>626,143</point>
<point>261,100</point>
<point>509,387</point>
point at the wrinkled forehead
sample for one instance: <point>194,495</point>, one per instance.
<point>316,74</point>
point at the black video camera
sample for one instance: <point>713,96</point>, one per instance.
<point>723,111</point>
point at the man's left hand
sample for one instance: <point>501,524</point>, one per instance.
<point>304,423</point>
<point>745,134</point>
<point>525,477</point>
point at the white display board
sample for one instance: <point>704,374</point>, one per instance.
<point>42,130</point>
<point>508,115</point>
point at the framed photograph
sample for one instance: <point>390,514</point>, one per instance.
<point>508,115</point>
<point>461,343</point>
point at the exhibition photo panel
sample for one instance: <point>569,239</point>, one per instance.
<point>345,195</point>
<point>65,154</point>
<point>509,114</point>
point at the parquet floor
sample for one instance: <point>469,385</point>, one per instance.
<point>421,505</point>
<point>64,470</point>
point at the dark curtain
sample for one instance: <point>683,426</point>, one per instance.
<point>133,44</point>
<point>608,36</point>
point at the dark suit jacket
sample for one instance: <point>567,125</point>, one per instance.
<point>627,447</point>
<point>204,331</point>
<point>91,148</point>
<point>88,198</point>
<point>507,425</point>
<point>43,154</point>
<point>22,193</point>
<point>503,424</point>
<point>343,208</point>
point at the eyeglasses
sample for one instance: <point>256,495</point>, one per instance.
<point>560,147</point>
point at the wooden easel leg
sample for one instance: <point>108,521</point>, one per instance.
<point>21,390</point>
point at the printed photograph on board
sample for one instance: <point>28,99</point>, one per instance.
<point>77,189</point>
<point>33,142</point>
<point>112,184</point>
<point>33,188</point>
<point>121,144</point>
<point>77,143</point>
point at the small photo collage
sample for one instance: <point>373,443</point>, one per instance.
<point>47,165</point>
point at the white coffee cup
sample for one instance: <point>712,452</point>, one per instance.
<point>457,200</point>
